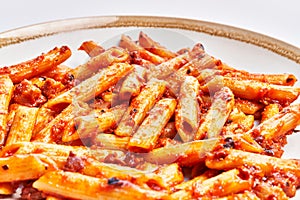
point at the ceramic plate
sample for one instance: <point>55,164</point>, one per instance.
<point>239,48</point>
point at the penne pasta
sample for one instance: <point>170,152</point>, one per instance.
<point>222,105</point>
<point>105,59</point>
<point>139,106</point>
<point>6,92</point>
<point>154,47</point>
<point>97,122</point>
<point>146,136</point>
<point>187,114</point>
<point>132,84</point>
<point>91,48</point>
<point>37,66</point>
<point>131,46</point>
<point>111,141</point>
<point>253,90</point>
<point>185,154</point>
<point>75,185</point>
<point>231,158</point>
<point>269,111</point>
<point>19,168</point>
<point>22,125</point>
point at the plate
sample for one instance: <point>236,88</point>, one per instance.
<point>237,47</point>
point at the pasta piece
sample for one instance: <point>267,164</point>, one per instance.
<point>188,185</point>
<point>91,48</point>
<point>269,111</point>
<point>277,126</point>
<point>248,107</point>
<point>75,185</point>
<point>185,154</point>
<point>99,121</point>
<point>276,79</point>
<point>6,91</point>
<point>85,91</point>
<point>58,151</point>
<point>226,183</point>
<point>127,43</point>
<point>105,59</point>
<point>254,90</point>
<point>53,131</point>
<point>19,168</point>
<point>171,174</point>
<point>139,107</point>
<point>37,66</point>
<point>145,138</point>
<point>187,113</point>
<point>165,69</point>
<point>238,123</point>
<point>108,170</point>
<point>22,126</point>
<point>211,125</point>
<point>154,47</point>
<point>132,84</point>
<point>111,141</point>
<point>232,158</point>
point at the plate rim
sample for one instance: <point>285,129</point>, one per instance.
<point>49,28</point>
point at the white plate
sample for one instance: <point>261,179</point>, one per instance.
<point>239,48</point>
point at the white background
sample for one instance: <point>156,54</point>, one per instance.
<point>277,18</point>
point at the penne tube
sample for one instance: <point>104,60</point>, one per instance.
<point>78,186</point>
<point>111,141</point>
<point>188,185</point>
<point>154,47</point>
<point>127,43</point>
<point>85,91</point>
<point>139,107</point>
<point>253,90</point>
<point>52,133</point>
<point>59,151</point>
<point>195,66</point>
<point>19,168</point>
<point>171,174</point>
<point>277,126</point>
<point>132,84</point>
<point>108,170</point>
<point>147,134</point>
<point>276,79</point>
<point>247,106</point>
<point>37,66</point>
<point>269,111</point>
<point>211,126</point>
<point>105,59</point>
<point>165,69</point>
<point>226,183</point>
<point>22,125</point>
<point>230,158</point>
<point>186,154</point>
<point>99,121</point>
<point>91,48</point>
<point>6,92</point>
<point>238,122</point>
<point>187,112</point>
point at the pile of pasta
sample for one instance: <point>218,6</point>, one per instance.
<point>139,121</point>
